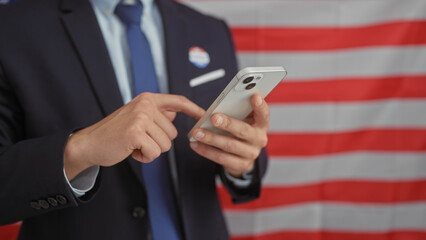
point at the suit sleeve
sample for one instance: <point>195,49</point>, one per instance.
<point>31,170</point>
<point>251,192</point>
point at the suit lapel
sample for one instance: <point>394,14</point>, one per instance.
<point>82,26</point>
<point>176,48</point>
<point>178,70</point>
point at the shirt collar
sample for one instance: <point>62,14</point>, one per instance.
<point>107,6</point>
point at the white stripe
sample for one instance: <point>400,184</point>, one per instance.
<point>326,117</point>
<point>208,77</point>
<point>329,217</point>
<point>362,62</point>
<point>311,13</point>
<point>367,166</point>
<point>362,166</point>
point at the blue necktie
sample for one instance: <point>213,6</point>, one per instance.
<point>161,204</point>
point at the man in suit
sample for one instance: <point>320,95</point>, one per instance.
<point>65,121</point>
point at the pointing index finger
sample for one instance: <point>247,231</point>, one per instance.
<point>178,103</point>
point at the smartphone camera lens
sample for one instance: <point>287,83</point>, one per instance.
<point>250,86</point>
<point>247,80</point>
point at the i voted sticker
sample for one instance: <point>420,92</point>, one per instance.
<point>199,57</point>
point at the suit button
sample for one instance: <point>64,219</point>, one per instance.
<point>35,205</point>
<point>52,202</point>
<point>139,212</point>
<point>61,199</point>
<point>43,203</point>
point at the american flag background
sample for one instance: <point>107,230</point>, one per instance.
<point>348,125</point>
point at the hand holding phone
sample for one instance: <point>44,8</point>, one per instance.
<point>234,101</point>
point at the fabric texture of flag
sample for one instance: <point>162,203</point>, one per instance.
<point>348,126</point>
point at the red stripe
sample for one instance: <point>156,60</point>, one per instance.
<point>305,144</point>
<point>335,191</point>
<point>9,232</point>
<point>329,235</point>
<point>328,38</point>
<point>349,89</point>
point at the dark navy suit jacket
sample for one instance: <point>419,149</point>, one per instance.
<point>56,77</point>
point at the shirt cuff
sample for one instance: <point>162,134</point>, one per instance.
<point>84,181</point>
<point>242,182</point>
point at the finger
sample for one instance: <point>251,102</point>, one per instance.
<point>177,103</point>
<point>237,128</point>
<point>249,119</point>
<point>148,148</point>
<point>261,112</point>
<point>137,155</point>
<point>170,115</point>
<point>226,143</point>
<point>159,137</point>
<point>233,164</point>
<point>166,125</point>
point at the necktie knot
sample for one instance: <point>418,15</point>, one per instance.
<point>129,14</point>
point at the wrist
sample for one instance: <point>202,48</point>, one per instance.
<point>241,175</point>
<point>73,162</point>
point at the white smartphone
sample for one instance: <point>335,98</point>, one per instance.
<point>234,100</point>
